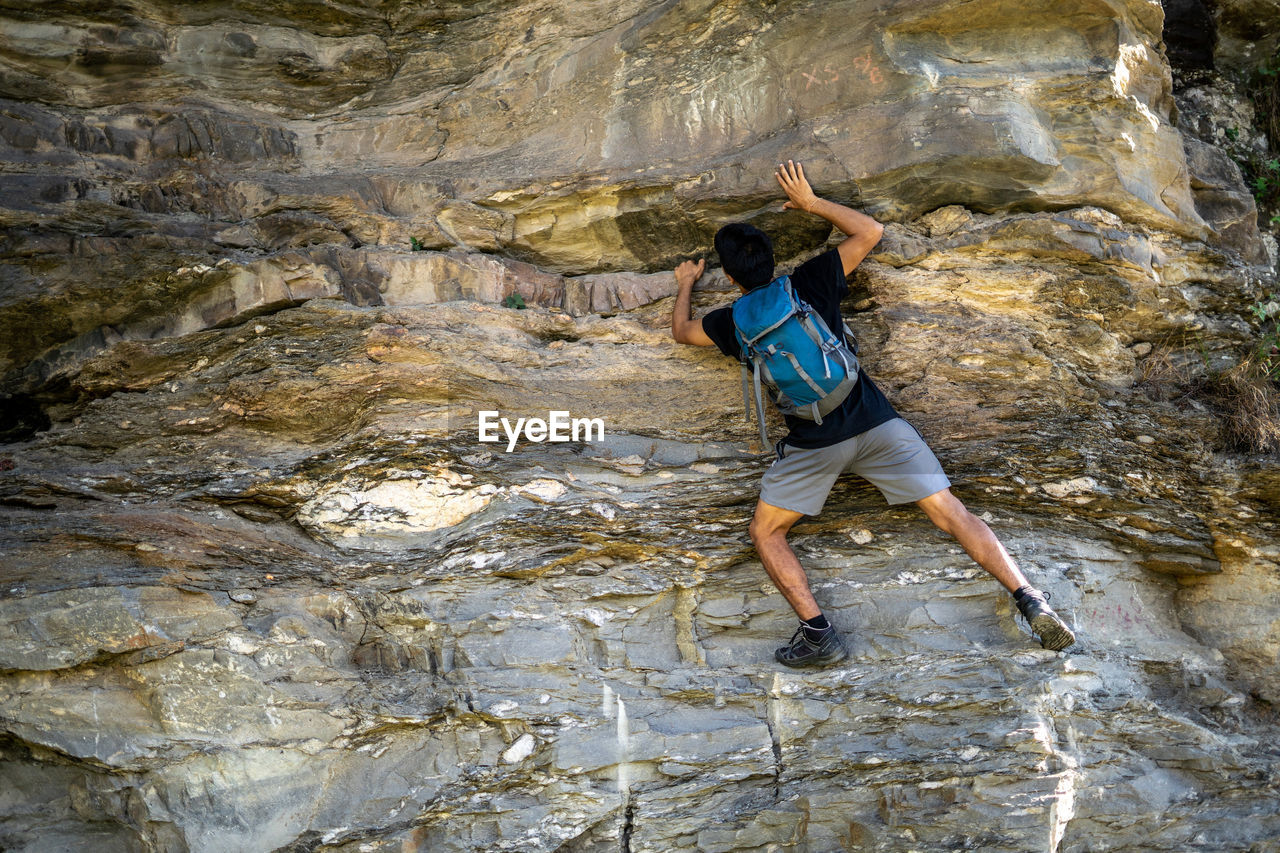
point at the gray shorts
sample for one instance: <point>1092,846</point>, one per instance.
<point>892,457</point>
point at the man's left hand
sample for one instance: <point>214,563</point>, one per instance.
<point>688,273</point>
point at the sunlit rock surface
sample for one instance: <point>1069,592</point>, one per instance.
<point>264,587</point>
<point>218,160</point>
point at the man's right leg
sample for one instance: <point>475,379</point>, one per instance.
<point>902,466</point>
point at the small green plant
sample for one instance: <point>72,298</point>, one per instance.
<point>1266,354</point>
<point>1269,360</point>
<point>1266,181</point>
<point>1265,308</point>
<point>415,245</point>
<point>514,300</point>
<point>1262,171</point>
<point>1233,133</point>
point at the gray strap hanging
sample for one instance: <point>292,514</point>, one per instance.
<point>764,431</point>
<point>849,339</point>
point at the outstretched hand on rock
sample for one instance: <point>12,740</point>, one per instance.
<point>799,194</point>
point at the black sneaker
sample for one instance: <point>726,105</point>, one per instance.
<point>1045,624</point>
<point>802,651</point>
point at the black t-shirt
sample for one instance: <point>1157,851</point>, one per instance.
<point>820,282</point>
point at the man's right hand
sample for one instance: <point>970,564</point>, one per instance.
<point>799,194</point>
<point>863,231</point>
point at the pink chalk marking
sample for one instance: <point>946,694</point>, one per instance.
<point>828,75</point>
<point>1120,615</point>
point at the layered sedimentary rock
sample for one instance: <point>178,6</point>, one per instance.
<point>264,586</point>
<point>146,142</point>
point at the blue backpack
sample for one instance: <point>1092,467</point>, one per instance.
<point>808,370</point>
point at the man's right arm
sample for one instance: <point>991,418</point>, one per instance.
<point>863,232</point>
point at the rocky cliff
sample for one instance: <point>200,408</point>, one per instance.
<point>264,588</point>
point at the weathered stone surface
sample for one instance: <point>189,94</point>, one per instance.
<point>163,139</point>
<point>1248,32</point>
<point>587,658</point>
<point>47,632</point>
<point>409,507</point>
<point>263,586</point>
<point>1222,200</point>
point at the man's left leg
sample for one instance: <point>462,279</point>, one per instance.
<point>949,514</point>
<point>796,485</point>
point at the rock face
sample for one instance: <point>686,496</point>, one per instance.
<point>1247,32</point>
<point>266,586</point>
<point>147,144</point>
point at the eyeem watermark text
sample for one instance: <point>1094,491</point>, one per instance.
<point>559,426</point>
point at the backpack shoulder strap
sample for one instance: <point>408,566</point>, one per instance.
<point>850,340</point>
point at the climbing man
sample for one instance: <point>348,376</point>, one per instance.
<point>861,434</point>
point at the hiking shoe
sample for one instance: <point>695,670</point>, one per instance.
<point>1045,624</point>
<point>802,651</point>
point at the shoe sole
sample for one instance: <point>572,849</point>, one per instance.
<point>825,660</point>
<point>1053,635</point>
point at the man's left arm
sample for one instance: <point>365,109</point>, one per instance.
<point>684,329</point>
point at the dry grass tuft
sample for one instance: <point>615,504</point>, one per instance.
<point>1246,399</point>
<point>1166,376</point>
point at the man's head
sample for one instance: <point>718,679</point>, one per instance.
<point>746,253</point>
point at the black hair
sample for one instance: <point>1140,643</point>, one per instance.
<point>746,253</point>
